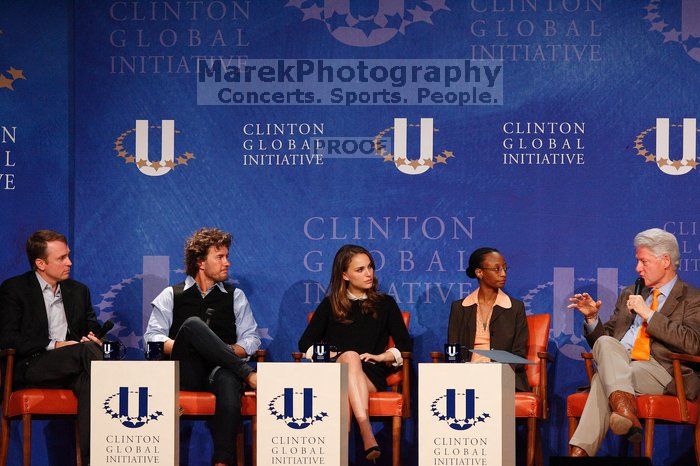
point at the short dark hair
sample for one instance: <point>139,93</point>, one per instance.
<point>197,246</point>
<point>36,244</point>
<point>476,259</point>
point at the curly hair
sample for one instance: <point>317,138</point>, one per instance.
<point>197,247</point>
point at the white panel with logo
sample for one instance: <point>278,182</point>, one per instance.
<point>466,414</point>
<point>302,413</point>
<point>134,412</point>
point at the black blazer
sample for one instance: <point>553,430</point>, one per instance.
<point>23,321</point>
<point>508,329</point>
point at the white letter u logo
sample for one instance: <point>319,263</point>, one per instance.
<point>167,153</point>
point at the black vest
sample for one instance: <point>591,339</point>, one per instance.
<point>189,303</point>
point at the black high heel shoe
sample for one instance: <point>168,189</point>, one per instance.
<point>373,453</point>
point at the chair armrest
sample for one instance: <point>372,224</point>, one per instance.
<point>406,383</point>
<point>685,357</point>
<point>545,357</point>
<point>9,355</point>
<point>260,355</point>
<point>588,359</point>
<point>437,356</point>
<point>297,356</point>
<point>678,379</point>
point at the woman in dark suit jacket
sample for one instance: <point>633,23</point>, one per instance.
<point>488,318</point>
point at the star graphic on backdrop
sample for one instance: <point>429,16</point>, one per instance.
<point>692,42</point>
<point>651,16</point>
<point>650,7</point>
<point>415,163</point>
<point>189,155</point>
<point>437,5</point>
<point>393,21</point>
<point>643,152</point>
<point>650,158</point>
<point>121,154</point>
<point>313,12</point>
<point>170,164</point>
<point>337,21</point>
<point>660,26</point>
<point>429,163</point>
<point>691,164</point>
<point>142,163</point>
<point>400,161</point>
<point>5,82</point>
<point>662,162</point>
<point>181,160</point>
<point>441,159</point>
<point>388,158</point>
<point>155,165</point>
<point>448,153</point>
<point>129,159</point>
<point>16,74</point>
<point>367,27</point>
<point>295,3</point>
<point>677,164</point>
<point>671,36</point>
<point>131,341</point>
<point>420,14</point>
<point>108,295</point>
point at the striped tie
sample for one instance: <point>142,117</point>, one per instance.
<point>642,344</point>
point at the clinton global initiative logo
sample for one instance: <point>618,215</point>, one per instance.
<point>410,164</point>
<point>665,132</point>
<point>117,407</point>
<point>368,23</point>
<point>10,75</point>
<point>132,146</point>
<point>282,407</point>
<point>683,29</point>
<point>458,409</point>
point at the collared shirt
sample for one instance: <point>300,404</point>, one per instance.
<point>628,340</point>
<point>162,317</point>
<point>55,313</point>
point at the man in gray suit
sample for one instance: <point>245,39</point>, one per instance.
<point>632,350</point>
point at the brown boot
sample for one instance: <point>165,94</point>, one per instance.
<point>623,419</point>
<point>577,452</point>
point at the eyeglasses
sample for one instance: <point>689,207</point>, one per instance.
<point>498,269</point>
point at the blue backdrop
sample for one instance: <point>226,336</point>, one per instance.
<point>559,173</point>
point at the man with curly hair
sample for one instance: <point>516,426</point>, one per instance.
<point>207,325</point>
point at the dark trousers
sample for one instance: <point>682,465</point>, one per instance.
<point>200,351</point>
<point>68,367</point>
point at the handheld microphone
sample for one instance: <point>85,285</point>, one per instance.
<point>104,329</point>
<point>207,314</point>
<point>638,287</point>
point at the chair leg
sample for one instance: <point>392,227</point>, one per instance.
<point>538,450</point>
<point>5,441</point>
<point>649,438</point>
<point>78,456</point>
<point>396,441</point>
<point>697,443</point>
<point>531,429</point>
<point>573,424</point>
<point>27,439</point>
<point>254,440</point>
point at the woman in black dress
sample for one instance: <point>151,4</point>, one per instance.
<point>357,319</point>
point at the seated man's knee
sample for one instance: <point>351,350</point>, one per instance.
<point>93,352</point>
<point>603,343</point>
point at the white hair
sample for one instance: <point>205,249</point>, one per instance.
<point>659,242</point>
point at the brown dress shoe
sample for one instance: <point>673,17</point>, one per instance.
<point>623,419</point>
<point>577,452</point>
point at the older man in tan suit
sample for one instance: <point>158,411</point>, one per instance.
<point>632,349</point>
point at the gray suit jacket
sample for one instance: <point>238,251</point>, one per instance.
<point>673,329</point>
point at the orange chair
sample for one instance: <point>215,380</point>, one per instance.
<point>533,405</point>
<point>652,409</point>
<point>396,403</point>
<point>203,404</point>
<point>28,404</point>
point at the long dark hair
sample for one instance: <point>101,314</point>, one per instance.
<point>338,288</point>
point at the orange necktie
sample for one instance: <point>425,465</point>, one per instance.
<point>641,351</point>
